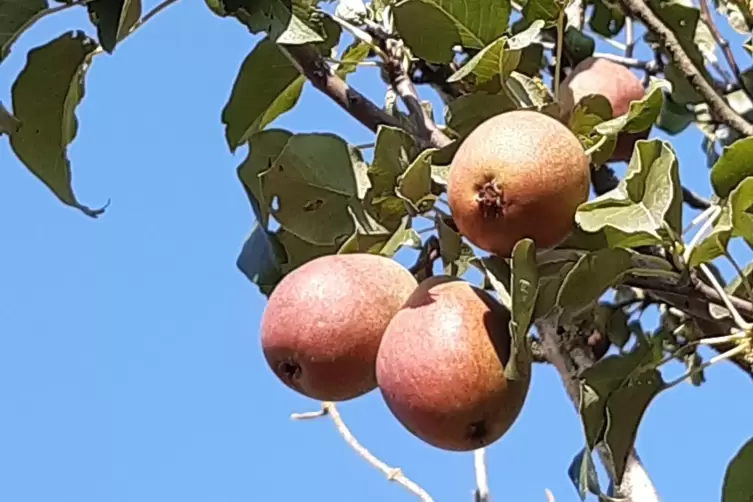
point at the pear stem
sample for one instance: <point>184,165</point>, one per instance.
<point>392,473</point>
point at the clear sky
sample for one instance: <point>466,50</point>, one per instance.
<point>130,366</point>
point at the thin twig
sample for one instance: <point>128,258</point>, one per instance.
<point>156,10</point>
<point>630,62</point>
<point>482,483</point>
<point>721,110</point>
<point>706,18</point>
<point>392,473</point>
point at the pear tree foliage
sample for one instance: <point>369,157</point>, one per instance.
<point>642,241</point>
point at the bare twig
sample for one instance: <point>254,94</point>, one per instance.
<point>720,109</point>
<point>311,64</point>
<point>629,37</point>
<point>630,62</point>
<point>706,18</point>
<point>392,473</point>
<point>481,494</point>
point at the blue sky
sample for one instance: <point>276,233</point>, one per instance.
<point>130,366</point>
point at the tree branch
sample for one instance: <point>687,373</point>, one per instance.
<point>311,64</point>
<point>481,494</point>
<point>719,108</point>
<point>706,18</point>
<point>392,473</point>
<point>570,360</point>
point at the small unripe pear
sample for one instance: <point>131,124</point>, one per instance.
<point>617,84</point>
<point>323,323</point>
<point>440,366</point>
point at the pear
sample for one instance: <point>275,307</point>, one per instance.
<point>518,174</point>
<point>440,366</point>
<point>323,323</point>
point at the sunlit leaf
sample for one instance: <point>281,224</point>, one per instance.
<point>733,166</point>
<point>432,27</point>
<point>524,286</point>
<point>647,198</point>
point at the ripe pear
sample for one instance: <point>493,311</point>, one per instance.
<point>518,174</point>
<point>322,325</point>
<point>613,81</point>
<point>440,367</point>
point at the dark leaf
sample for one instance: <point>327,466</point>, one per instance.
<point>113,19</point>
<point>738,483</point>
<point>15,17</point>
<point>45,95</point>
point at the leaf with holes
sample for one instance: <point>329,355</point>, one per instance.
<point>309,188</point>
<point>646,199</point>
<point>16,17</point>
<point>431,28</point>
<point>264,149</point>
<point>45,95</point>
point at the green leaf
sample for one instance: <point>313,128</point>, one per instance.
<point>113,19</point>
<point>9,124</point>
<point>466,112</point>
<point>543,10</point>
<point>607,20</point>
<point>16,16</point>
<point>45,95</point>
<point>351,56</point>
<point>733,166</point>
<point>740,202</point>
<point>287,22</point>
<point>309,187</point>
<point>551,277</point>
<point>456,255</point>
<point>524,284</point>
<point>414,185</point>
<point>599,381</point>
<point>578,45</point>
<point>382,242</point>
<point>267,86</point>
<point>674,117</point>
<point>624,411</point>
<point>648,197</point>
<point>265,148</point>
<point>589,112</point>
<point>642,113</point>
<point>394,151</point>
<point>590,278</point>
<point>715,243</point>
<point>431,28</point>
<point>738,483</point>
<point>260,259</point>
<point>582,473</point>
<point>493,61</point>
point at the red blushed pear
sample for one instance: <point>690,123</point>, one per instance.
<point>617,84</point>
<point>323,323</point>
<point>440,366</point>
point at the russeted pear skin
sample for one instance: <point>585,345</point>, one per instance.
<point>518,174</point>
<point>613,81</point>
<point>323,323</point>
<point>440,366</point>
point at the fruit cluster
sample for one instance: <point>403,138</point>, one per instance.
<point>342,325</point>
